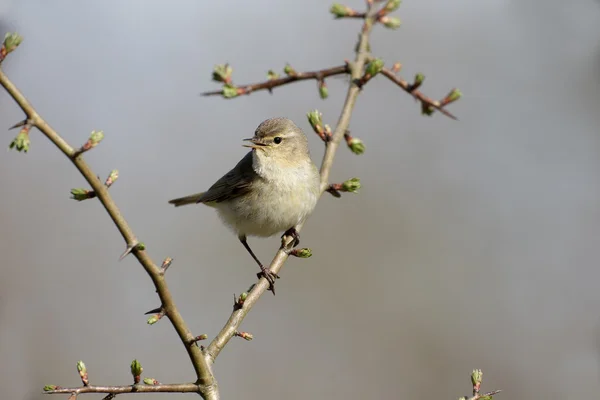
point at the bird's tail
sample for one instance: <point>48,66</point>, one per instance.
<point>191,199</point>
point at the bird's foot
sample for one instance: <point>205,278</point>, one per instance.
<point>294,234</point>
<point>269,276</point>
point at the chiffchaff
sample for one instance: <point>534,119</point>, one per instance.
<point>272,189</point>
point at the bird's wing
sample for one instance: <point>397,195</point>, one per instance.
<point>235,183</point>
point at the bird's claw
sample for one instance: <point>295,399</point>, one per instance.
<point>295,236</point>
<point>269,276</point>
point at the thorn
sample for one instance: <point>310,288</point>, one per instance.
<point>109,396</point>
<point>20,124</point>
<point>156,310</point>
<point>129,249</point>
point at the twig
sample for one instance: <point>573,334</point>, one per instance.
<point>415,93</point>
<point>356,68</point>
<point>297,76</point>
<point>170,388</point>
<point>206,384</point>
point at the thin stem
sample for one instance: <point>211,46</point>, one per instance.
<point>415,93</point>
<point>170,388</point>
<point>298,76</point>
<point>206,382</point>
<point>356,68</point>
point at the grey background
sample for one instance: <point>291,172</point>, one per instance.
<point>473,244</point>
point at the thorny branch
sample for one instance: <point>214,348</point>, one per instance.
<point>361,70</point>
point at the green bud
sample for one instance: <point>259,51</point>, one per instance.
<point>289,70</point>
<point>81,367</point>
<point>112,177</point>
<point>315,120</point>
<point>153,319</point>
<point>340,10</point>
<point>222,73</point>
<point>21,141</point>
<point>392,5</point>
<point>204,336</point>
<point>351,185</point>
<point>272,75</point>
<point>454,95</point>
<point>140,246</point>
<point>485,397</point>
<point>302,253</point>
<point>356,146</point>
<point>48,388</point>
<point>476,377</point>
<point>419,78</point>
<point>136,368</point>
<point>243,297</point>
<point>95,138</point>
<point>11,42</point>
<point>374,67</point>
<point>323,91</point>
<point>150,381</point>
<point>80,194</point>
<point>390,22</point>
<point>426,109</point>
<point>230,91</point>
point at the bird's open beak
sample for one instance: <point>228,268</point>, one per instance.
<point>256,143</point>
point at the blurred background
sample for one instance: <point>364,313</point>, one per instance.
<point>473,243</point>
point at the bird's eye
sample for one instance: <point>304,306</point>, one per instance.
<point>277,140</point>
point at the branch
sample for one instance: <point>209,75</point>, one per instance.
<point>206,384</point>
<point>410,89</point>
<point>273,83</point>
<point>170,388</point>
<point>355,69</point>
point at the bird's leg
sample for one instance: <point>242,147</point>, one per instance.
<point>264,272</point>
<point>294,234</point>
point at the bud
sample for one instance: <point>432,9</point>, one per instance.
<point>222,73</point>
<point>242,297</point>
<point>140,246</point>
<point>271,75</point>
<point>112,177</point>
<point>230,91</point>
<point>81,194</point>
<point>83,373</point>
<point>151,381</point>
<point>454,95</point>
<point>390,22</point>
<point>244,335</point>
<point>419,78</point>
<point>391,5</point>
<point>289,71</point>
<point>328,133</point>
<point>21,141</point>
<point>356,145</point>
<point>396,67</point>
<point>48,388</point>
<point>426,109</point>
<point>204,336</point>
<point>301,253</point>
<point>315,120</point>
<point>351,185</point>
<point>374,67</point>
<point>323,91</point>
<point>154,319</point>
<point>95,138</point>
<point>11,42</point>
<point>341,11</point>
<point>136,371</point>
<point>476,377</point>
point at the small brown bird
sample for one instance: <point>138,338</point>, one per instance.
<point>272,189</point>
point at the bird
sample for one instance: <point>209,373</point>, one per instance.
<point>272,189</point>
